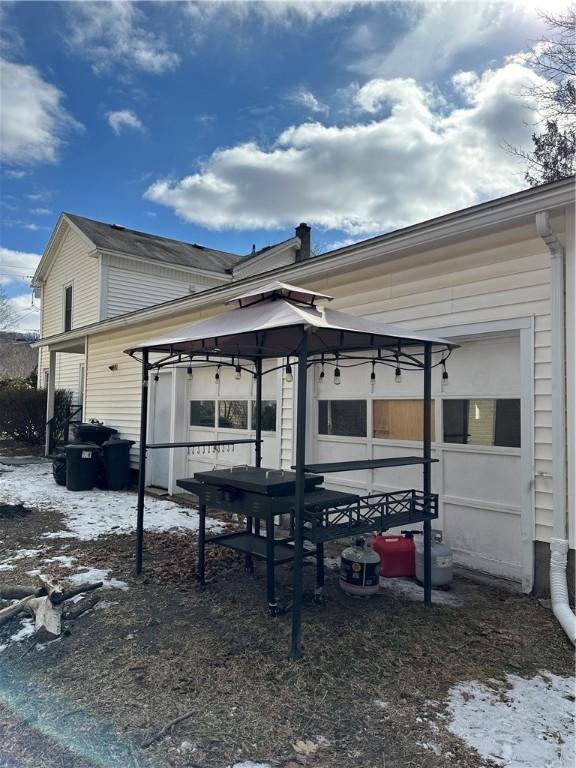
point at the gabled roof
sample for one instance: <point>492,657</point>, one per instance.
<point>112,237</point>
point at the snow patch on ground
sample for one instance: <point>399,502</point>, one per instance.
<point>89,514</point>
<point>250,764</point>
<point>20,554</point>
<point>65,561</point>
<point>26,629</point>
<point>413,591</point>
<point>529,724</point>
<point>96,574</point>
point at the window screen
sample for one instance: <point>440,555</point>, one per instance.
<point>268,415</point>
<point>482,422</point>
<point>68,308</point>
<point>233,414</point>
<point>202,413</point>
<point>401,420</point>
<point>342,417</point>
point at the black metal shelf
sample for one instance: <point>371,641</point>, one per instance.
<point>254,545</point>
<point>351,466</point>
<point>202,444</point>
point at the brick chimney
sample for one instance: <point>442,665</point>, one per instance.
<point>303,232</point>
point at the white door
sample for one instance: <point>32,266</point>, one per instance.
<point>222,408</point>
<point>159,430</point>
<point>476,439</point>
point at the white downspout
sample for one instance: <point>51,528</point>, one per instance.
<point>559,540</point>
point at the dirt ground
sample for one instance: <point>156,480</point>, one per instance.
<point>374,674</point>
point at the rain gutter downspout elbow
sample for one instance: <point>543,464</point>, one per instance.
<point>559,541</point>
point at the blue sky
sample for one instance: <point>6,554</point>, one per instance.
<point>228,123</point>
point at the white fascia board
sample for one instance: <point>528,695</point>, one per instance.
<point>45,262</point>
<point>385,247</point>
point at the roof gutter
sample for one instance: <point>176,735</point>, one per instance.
<point>382,248</point>
<point>559,541</point>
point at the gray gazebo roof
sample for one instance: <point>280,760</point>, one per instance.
<point>269,323</point>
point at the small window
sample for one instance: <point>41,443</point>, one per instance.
<point>401,420</point>
<point>268,415</point>
<point>233,414</point>
<point>68,308</point>
<point>202,413</point>
<point>342,417</point>
<point>482,422</point>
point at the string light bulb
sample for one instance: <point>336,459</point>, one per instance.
<point>444,374</point>
<point>156,376</point>
<point>217,374</point>
<point>189,371</point>
<point>373,375</point>
<point>321,377</point>
<point>398,372</point>
<point>238,372</point>
<point>289,376</point>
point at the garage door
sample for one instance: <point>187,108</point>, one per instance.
<point>476,439</point>
<point>221,407</point>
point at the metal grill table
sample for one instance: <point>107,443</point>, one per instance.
<point>260,494</point>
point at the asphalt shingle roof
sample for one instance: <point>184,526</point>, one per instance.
<point>112,237</point>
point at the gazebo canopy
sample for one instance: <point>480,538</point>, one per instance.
<point>269,324</point>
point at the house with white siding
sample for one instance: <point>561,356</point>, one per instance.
<point>499,279</point>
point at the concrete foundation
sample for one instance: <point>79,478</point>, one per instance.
<point>542,571</point>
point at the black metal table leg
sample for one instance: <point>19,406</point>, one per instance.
<point>248,561</point>
<point>200,571</point>
<point>270,586</point>
<point>319,590</point>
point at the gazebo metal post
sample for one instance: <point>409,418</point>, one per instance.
<point>301,402</point>
<point>427,473</point>
<point>142,462</point>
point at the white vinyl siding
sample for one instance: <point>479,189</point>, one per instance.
<point>131,284</point>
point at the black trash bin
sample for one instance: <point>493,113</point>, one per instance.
<point>82,461</point>
<point>59,468</point>
<point>116,461</point>
<point>93,433</point>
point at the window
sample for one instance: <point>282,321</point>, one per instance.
<point>342,417</point>
<point>202,413</point>
<point>68,308</point>
<point>482,422</point>
<point>268,415</point>
<point>401,420</point>
<point>233,414</point>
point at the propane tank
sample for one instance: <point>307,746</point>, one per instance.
<point>360,569</point>
<point>442,561</point>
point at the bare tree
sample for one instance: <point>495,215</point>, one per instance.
<point>553,57</point>
<point>8,316</point>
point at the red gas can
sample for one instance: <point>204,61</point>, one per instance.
<point>397,555</point>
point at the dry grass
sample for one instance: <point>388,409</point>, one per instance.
<point>168,648</point>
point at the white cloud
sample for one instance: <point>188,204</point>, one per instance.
<point>17,266</point>
<point>40,211</point>
<point>123,118</point>
<point>33,121</point>
<point>284,13</point>
<point>113,33</point>
<point>305,98</point>
<point>422,159</point>
<point>26,312</point>
<point>436,33</point>
<point>14,174</point>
